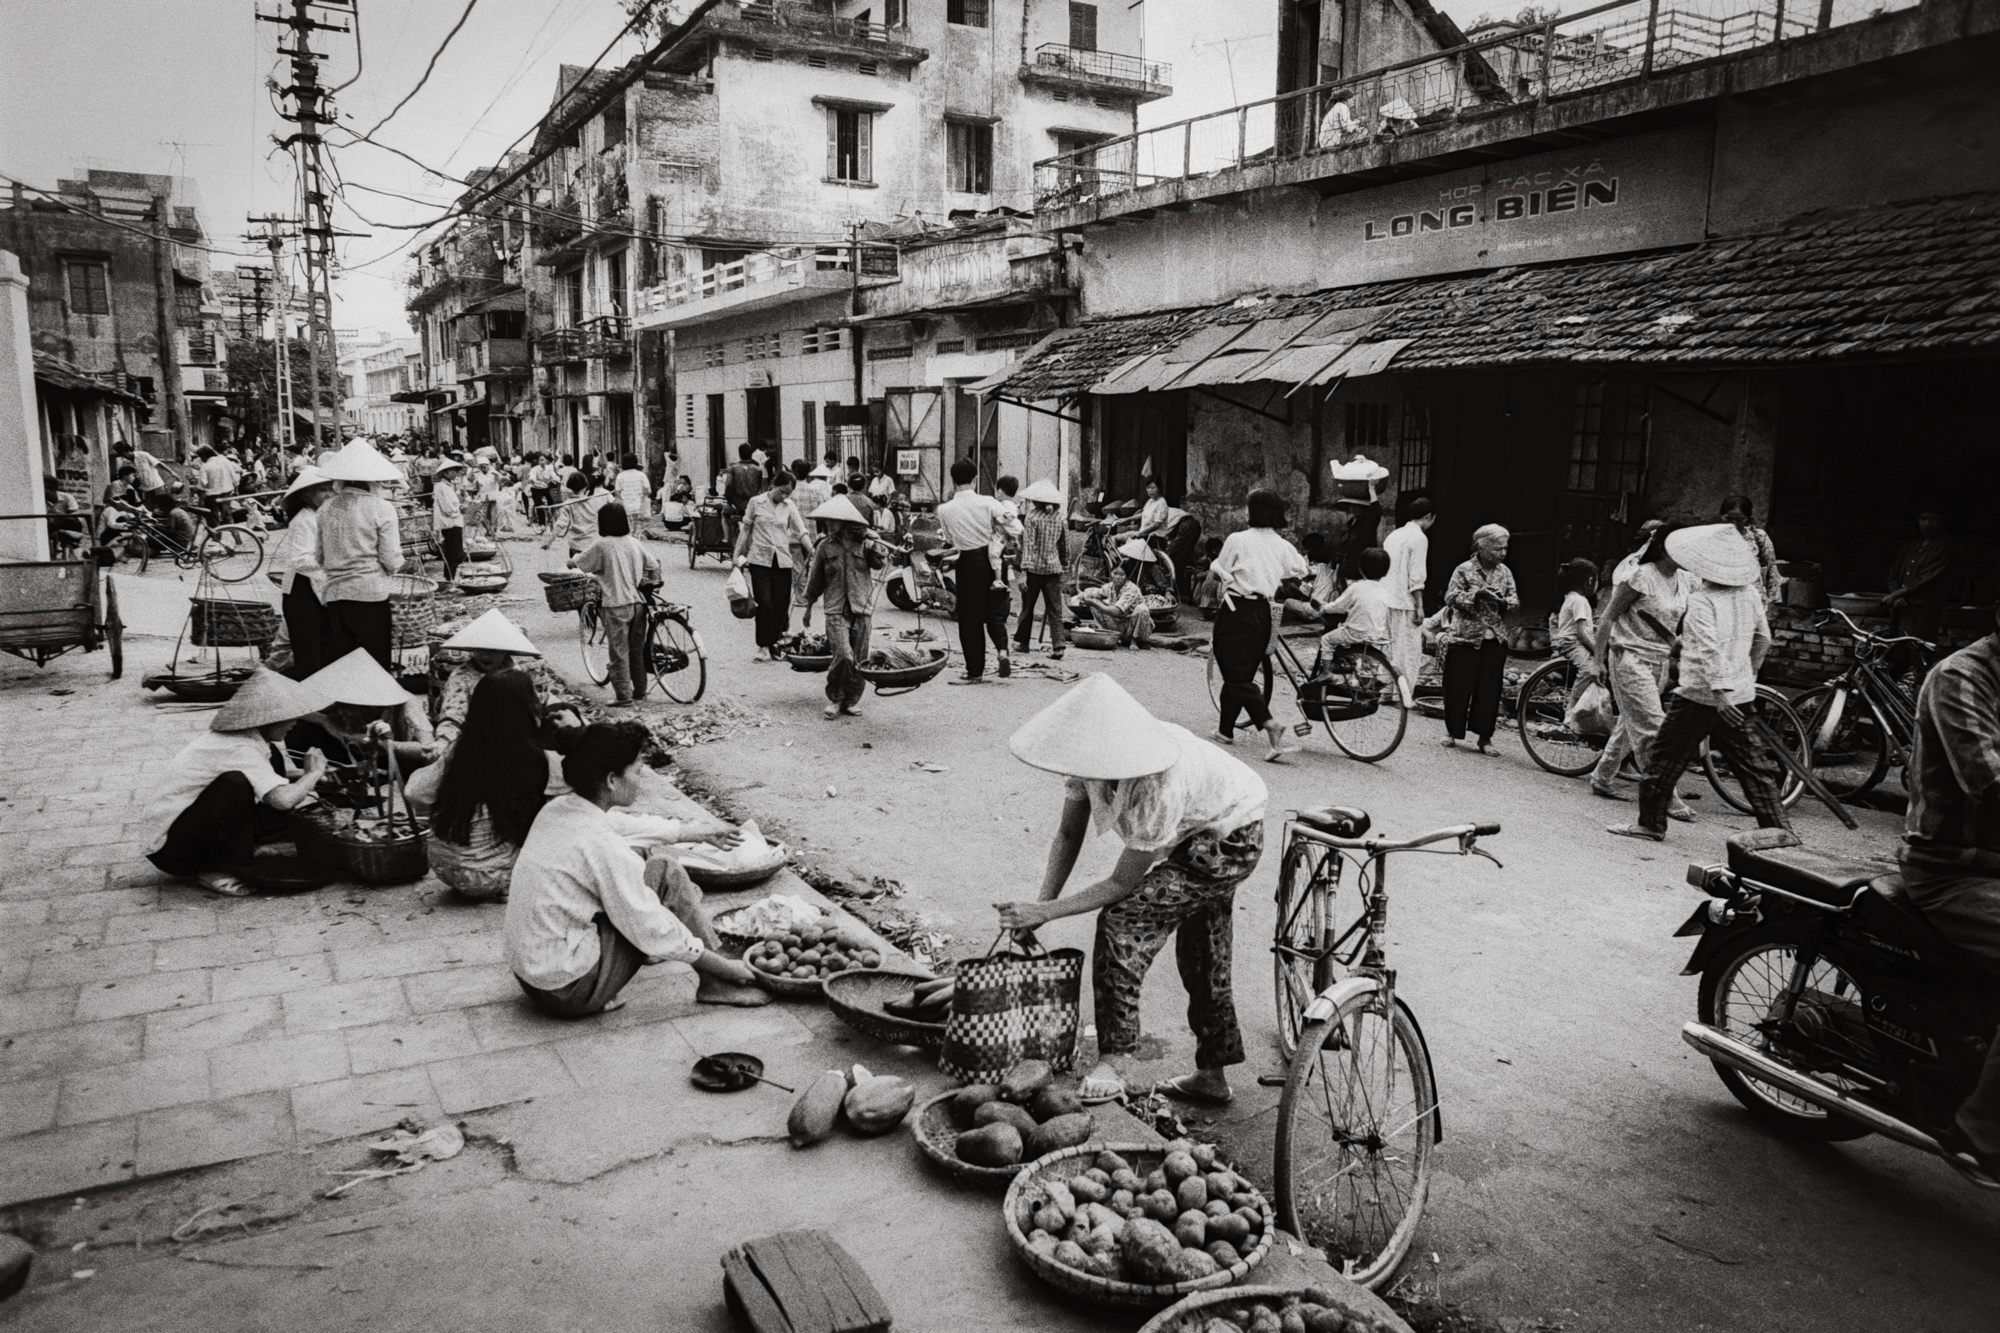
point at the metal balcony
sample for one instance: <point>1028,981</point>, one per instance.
<point>1099,71</point>
<point>493,358</point>
<point>554,346</point>
<point>606,338</point>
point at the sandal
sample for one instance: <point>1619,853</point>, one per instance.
<point>1636,831</point>
<point>1096,1092</point>
<point>1179,1089</point>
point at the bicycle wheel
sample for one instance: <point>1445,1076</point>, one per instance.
<point>1215,683</point>
<point>1361,705</point>
<point>676,660</point>
<point>1356,1128</point>
<point>231,553</point>
<point>1300,962</point>
<point>1543,704</point>
<point>1772,709</point>
<point>1850,753</point>
<point>596,651</point>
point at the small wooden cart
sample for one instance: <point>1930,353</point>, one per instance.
<point>49,607</point>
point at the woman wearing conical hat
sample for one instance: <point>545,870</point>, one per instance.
<point>227,789</point>
<point>1191,817</point>
<point>360,548</point>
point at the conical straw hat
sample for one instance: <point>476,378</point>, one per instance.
<point>265,698</point>
<point>1097,730</point>
<point>308,476</point>
<point>839,509</point>
<point>1137,549</point>
<point>358,461</point>
<point>1716,552</point>
<point>1043,492</point>
<point>494,633</point>
<point>357,679</point>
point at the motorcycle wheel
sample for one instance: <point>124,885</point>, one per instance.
<point>1741,986</point>
<point>899,596</point>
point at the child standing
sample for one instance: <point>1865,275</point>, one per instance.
<point>1572,629</point>
<point>622,567</point>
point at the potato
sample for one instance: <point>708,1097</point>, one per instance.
<point>1323,1319</point>
<point>1226,1256</point>
<point>1088,1190</point>
<point>1125,1178</point>
<point>1179,1145</point>
<point>1291,1321</point>
<point>1004,1113</point>
<point>1101,1176</point>
<point>1104,1264</point>
<point>1111,1163</point>
<point>1221,1184</point>
<point>1218,1208</point>
<point>1041,1242</point>
<point>1071,1255</point>
<point>1194,1264</point>
<point>1191,1230</point>
<point>1263,1319</point>
<point>1124,1199</point>
<point>1231,1228</point>
<point>1192,1194</point>
<point>1178,1167</point>
<point>1049,1218</point>
<point>1244,1200</point>
<point>1160,1206</point>
<point>1204,1159</point>
<point>1155,1180</point>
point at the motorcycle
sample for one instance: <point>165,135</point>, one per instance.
<point>922,578</point>
<point>1830,1008</point>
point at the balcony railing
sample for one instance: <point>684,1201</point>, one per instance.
<point>491,357</point>
<point>1570,54</point>
<point>606,337</point>
<point>766,266</point>
<point>201,348</point>
<point>818,23</point>
<point>556,345</point>
<point>1056,58</point>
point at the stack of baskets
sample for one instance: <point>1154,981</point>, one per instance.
<point>412,610</point>
<point>569,591</point>
<point>223,622</point>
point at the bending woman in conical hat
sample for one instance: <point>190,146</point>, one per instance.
<point>1192,820</point>
<point>226,791</point>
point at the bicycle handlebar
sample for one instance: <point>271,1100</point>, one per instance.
<point>1884,640</point>
<point>1465,834</point>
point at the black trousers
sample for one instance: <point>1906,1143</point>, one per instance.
<point>453,541</point>
<point>1047,588</point>
<point>351,625</point>
<point>982,609</point>
<point>1241,641</point>
<point>772,586</point>
<point>305,622</point>
<point>220,829</point>
<point>1473,674</point>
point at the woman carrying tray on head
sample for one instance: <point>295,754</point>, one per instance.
<point>1192,820</point>
<point>226,791</point>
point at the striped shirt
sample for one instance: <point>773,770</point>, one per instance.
<point>1042,541</point>
<point>1953,825</point>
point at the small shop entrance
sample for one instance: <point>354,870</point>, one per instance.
<point>1143,435</point>
<point>763,405</point>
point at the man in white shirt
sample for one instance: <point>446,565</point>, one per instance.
<point>971,522</point>
<point>1409,551</point>
<point>1724,639</point>
<point>584,913</point>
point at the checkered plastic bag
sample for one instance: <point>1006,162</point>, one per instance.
<point>1009,1007</point>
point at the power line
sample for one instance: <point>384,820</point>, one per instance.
<point>109,221</point>
<point>470,5</point>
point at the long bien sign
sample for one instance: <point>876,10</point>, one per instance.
<point>1631,194</point>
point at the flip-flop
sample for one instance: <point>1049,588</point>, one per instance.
<point>1634,831</point>
<point>1177,1088</point>
<point>1089,1098</point>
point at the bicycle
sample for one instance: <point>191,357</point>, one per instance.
<point>675,658</point>
<point>230,553</point>
<point>1359,1117</point>
<point>1361,700</point>
<point>1091,563</point>
<point>1862,722</point>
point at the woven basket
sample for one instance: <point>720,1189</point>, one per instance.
<point>397,861</point>
<point>903,678</point>
<point>1191,1315</point>
<point>1067,1162</point>
<point>856,997</point>
<point>569,592</point>
<point>412,610</point>
<point>791,988</point>
<point>220,622</point>
<point>810,664</point>
<point>937,1138</point>
<point>313,836</point>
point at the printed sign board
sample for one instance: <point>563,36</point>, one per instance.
<point>908,463</point>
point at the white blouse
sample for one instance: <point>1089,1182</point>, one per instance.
<point>1255,561</point>
<point>1205,790</point>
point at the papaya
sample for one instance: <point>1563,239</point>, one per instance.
<point>1004,1113</point>
<point>878,1103</point>
<point>1053,1101</point>
<point>970,1098</point>
<point>818,1107</point>
<point>990,1145</point>
<point>1065,1131</point>
<point>1024,1080</point>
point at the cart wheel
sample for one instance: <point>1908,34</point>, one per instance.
<point>114,628</point>
<point>694,548</point>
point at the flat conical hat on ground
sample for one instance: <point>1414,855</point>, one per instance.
<point>265,698</point>
<point>839,509</point>
<point>357,679</point>
<point>358,461</point>
<point>1043,492</point>
<point>494,633</point>
<point>1097,730</point>
<point>1716,552</point>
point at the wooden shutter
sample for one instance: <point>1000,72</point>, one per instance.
<point>864,146</point>
<point>1083,27</point>
<point>832,144</point>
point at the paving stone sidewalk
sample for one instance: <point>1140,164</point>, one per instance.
<point>148,1027</point>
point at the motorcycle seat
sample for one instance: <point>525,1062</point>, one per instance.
<point>1795,869</point>
<point>1906,921</point>
<point>1339,821</point>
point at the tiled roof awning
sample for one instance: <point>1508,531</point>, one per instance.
<point>60,374</point>
<point>1917,279</point>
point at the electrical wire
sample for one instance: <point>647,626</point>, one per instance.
<point>429,68</point>
<point>64,204</point>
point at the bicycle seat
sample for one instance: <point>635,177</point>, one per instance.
<point>1340,821</point>
<point>1831,880</point>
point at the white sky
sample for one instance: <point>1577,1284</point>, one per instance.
<point>177,86</point>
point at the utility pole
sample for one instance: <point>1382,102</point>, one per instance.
<point>312,110</point>
<point>281,358</point>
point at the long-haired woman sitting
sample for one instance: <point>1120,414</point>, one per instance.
<point>494,783</point>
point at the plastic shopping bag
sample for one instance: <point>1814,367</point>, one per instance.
<point>742,602</point>
<point>1591,713</point>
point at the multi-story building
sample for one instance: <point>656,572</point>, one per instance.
<point>129,340</point>
<point>373,372</point>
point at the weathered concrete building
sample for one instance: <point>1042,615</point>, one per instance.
<point>1658,259</point>
<point>373,373</point>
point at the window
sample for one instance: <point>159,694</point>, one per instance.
<point>573,296</point>
<point>1413,469</point>
<point>850,145</point>
<point>820,339</point>
<point>187,304</point>
<point>614,281</point>
<point>970,13</point>
<point>1083,27</point>
<point>1607,469</point>
<point>895,13</point>
<point>809,429</point>
<point>763,347</point>
<point>713,355</point>
<point>89,291</point>
<point>816,61</point>
<point>968,157</point>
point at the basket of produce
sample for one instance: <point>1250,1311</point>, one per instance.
<point>1165,610</point>
<point>384,850</point>
<point>900,670</point>
<point>313,834</point>
<point>988,1133</point>
<point>212,687</point>
<point>751,861</point>
<point>477,549</point>
<point>1102,640</point>
<point>807,653</point>
<point>1252,1309</point>
<point>796,964</point>
<point>569,591</point>
<point>475,581</point>
<point>222,622</point>
<point>876,1002</point>
<point>779,914</point>
<point>1191,1224</point>
<point>412,610</point>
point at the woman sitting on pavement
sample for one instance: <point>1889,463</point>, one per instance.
<point>1192,821</point>
<point>492,786</point>
<point>585,913</point>
<point>1118,606</point>
<point>225,792</point>
<point>365,706</point>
